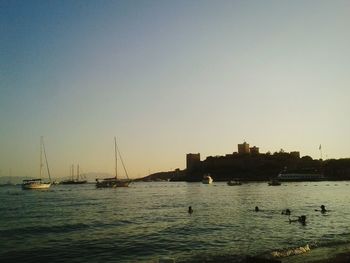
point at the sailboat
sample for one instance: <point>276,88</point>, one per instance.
<point>38,183</point>
<point>73,180</point>
<point>114,181</point>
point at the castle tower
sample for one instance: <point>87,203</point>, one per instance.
<point>243,148</point>
<point>192,161</point>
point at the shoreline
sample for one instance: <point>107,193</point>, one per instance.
<point>335,253</point>
<point>328,254</point>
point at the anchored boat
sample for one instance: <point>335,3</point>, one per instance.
<point>304,175</point>
<point>73,180</point>
<point>38,183</point>
<point>114,181</point>
<point>207,179</point>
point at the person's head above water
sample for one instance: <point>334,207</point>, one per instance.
<point>256,209</point>
<point>190,210</point>
<point>286,212</point>
<point>323,209</point>
<point>302,219</point>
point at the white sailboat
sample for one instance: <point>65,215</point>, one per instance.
<point>38,183</point>
<point>114,181</point>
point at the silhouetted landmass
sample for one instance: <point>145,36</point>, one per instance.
<point>164,176</point>
<point>257,167</point>
<point>337,169</point>
<point>251,167</point>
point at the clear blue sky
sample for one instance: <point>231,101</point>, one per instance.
<point>169,78</point>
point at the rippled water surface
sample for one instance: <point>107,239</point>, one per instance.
<point>149,221</point>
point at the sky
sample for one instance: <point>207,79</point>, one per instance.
<point>169,78</point>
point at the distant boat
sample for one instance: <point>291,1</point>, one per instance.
<point>304,175</point>
<point>76,180</point>
<point>274,182</point>
<point>207,179</point>
<point>38,182</point>
<point>114,181</point>
<point>234,182</point>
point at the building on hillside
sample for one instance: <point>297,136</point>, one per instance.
<point>192,161</point>
<point>243,148</point>
<point>254,150</point>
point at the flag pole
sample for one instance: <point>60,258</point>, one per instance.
<point>320,148</point>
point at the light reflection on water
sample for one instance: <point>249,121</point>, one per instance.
<point>149,220</point>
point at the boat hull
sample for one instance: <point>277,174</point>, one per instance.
<point>274,184</point>
<point>300,177</point>
<point>207,180</point>
<point>111,183</point>
<point>36,186</point>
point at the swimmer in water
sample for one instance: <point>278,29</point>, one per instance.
<point>190,210</point>
<point>286,212</point>
<point>301,219</point>
<point>323,209</point>
<point>256,209</point>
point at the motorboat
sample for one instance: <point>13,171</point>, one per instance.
<point>207,179</point>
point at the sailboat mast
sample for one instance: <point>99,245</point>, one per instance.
<point>116,158</point>
<point>78,172</point>
<point>72,172</point>
<point>47,164</point>
<point>121,160</point>
<point>41,157</point>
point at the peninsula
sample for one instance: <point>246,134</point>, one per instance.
<point>248,164</point>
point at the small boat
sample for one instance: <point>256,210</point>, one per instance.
<point>38,183</point>
<point>234,182</point>
<point>274,182</point>
<point>114,181</point>
<point>207,179</point>
<point>76,180</point>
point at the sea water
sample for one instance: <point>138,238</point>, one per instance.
<point>149,222</point>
